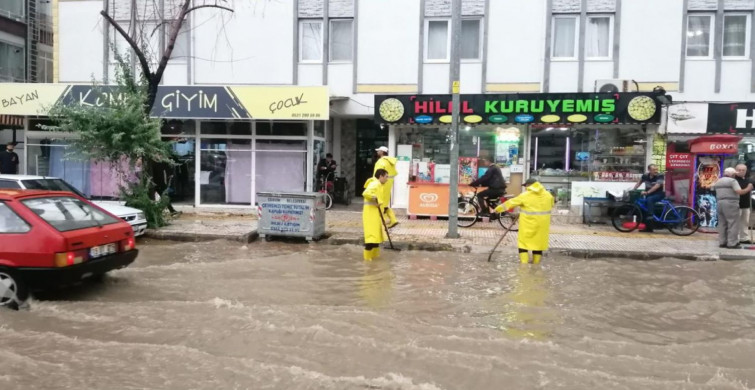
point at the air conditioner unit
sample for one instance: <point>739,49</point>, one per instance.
<point>614,86</point>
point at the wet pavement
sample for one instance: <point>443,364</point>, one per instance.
<point>287,315</point>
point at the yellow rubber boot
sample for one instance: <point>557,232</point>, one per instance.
<point>375,253</point>
<point>536,258</point>
<point>391,218</point>
<point>524,257</point>
<point>368,254</point>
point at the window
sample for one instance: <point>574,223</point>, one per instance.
<point>10,222</point>
<point>9,184</point>
<point>310,41</point>
<point>12,62</point>
<point>341,39</point>
<point>564,37</point>
<point>181,48</point>
<point>66,214</point>
<point>699,37</point>
<point>44,67</point>
<point>13,8</point>
<point>437,44</point>
<point>598,37</point>
<point>736,35</point>
<point>470,39</point>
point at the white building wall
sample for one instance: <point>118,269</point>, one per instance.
<point>81,40</point>
<point>516,41</point>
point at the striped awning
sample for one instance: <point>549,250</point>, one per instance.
<point>11,121</point>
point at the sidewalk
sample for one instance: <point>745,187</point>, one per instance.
<point>574,239</point>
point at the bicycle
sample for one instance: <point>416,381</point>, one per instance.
<point>469,211</point>
<point>326,186</point>
<point>679,220</point>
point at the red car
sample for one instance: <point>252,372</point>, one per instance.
<point>53,238</point>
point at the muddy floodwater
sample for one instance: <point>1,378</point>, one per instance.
<point>277,315</point>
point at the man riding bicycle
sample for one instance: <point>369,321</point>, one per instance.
<point>653,193</point>
<point>325,168</point>
<point>493,180</point>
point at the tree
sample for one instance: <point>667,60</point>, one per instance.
<point>153,78</point>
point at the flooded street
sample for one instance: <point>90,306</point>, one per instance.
<point>297,316</point>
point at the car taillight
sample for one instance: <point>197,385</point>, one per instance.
<point>128,244</point>
<point>65,259</point>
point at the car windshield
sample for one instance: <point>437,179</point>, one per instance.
<point>50,185</point>
<point>66,213</point>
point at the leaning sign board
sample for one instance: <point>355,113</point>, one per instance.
<point>536,108</point>
<point>181,102</point>
<point>291,214</point>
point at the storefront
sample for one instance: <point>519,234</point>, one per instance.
<point>229,142</point>
<point>578,144</point>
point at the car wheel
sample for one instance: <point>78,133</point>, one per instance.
<point>13,291</point>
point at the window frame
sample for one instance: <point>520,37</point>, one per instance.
<point>576,37</point>
<point>301,41</point>
<point>748,28</point>
<point>711,35</point>
<point>610,36</point>
<point>480,37</point>
<point>427,41</point>
<point>330,41</point>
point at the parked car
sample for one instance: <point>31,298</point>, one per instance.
<point>55,238</point>
<point>133,216</point>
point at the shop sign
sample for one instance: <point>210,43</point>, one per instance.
<point>732,118</point>
<point>547,108</point>
<point>678,160</point>
<point>181,102</point>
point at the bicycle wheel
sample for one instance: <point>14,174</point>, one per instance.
<point>681,220</point>
<point>627,218</point>
<point>509,221</point>
<point>328,201</point>
<point>467,214</point>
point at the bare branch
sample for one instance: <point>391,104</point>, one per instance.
<point>209,6</point>
<point>134,46</point>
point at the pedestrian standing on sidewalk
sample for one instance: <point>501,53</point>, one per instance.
<point>745,204</point>
<point>9,160</point>
<point>727,196</point>
<point>372,222</point>
<point>389,165</point>
<point>534,220</point>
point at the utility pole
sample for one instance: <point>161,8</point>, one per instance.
<point>453,201</point>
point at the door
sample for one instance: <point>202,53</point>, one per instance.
<point>369,137</point>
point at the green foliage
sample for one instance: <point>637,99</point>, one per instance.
<point>116,131</point>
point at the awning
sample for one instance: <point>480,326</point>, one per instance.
<point>11,121</point>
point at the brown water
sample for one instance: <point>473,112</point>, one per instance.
<point>294,316</point>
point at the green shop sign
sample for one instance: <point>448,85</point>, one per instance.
<point>548,108</point>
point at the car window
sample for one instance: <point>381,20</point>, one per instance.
<point>10,222</point>
<point>9,184</point>
<point>50,185</point>
<point>66,213</point>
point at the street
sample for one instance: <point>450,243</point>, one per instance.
<point>288,315</point>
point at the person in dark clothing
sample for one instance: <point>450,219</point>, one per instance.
<point>9,160</point>
<point>325,167</point>
<point>162,176</point>
<point>653,193</point>
<point>745,203</point>
<point>493,180</point>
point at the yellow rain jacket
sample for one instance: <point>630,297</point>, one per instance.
<point>389,164</point>
<point>535,217</point>
<point>373,226</point>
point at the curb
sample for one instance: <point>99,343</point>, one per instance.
<point>404,246</point>
<point>194,237</point>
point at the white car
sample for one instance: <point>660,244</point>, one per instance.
<point>133,216</point>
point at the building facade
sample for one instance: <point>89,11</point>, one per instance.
<point>697,50</point>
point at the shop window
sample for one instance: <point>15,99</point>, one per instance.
<point>282,128</point>
<point>736,35</point>
<point>437,42</point>
<point>319,128</point>
<point>178,128</point>
<point>564,39</point>
<point>699,35</point>
<point>226,128</point>
<point>226,171</point>
<point>12,62</point>
<point>281,165</point>
<point>599,37</point>
<point>341,40</point>
<point>310,41</point>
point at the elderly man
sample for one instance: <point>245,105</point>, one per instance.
<point>727,195</point>
<point>745,204</point>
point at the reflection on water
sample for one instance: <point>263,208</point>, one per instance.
<point>297,316</point>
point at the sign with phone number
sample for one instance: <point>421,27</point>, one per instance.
<point>678,160</point>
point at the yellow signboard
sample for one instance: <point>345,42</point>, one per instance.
<point>182,102</point>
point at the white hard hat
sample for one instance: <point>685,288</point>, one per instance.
<point>383,149</point>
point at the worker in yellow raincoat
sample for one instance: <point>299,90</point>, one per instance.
<point>389,165</point>
<point>534,221</point>
<point>374,201</point>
